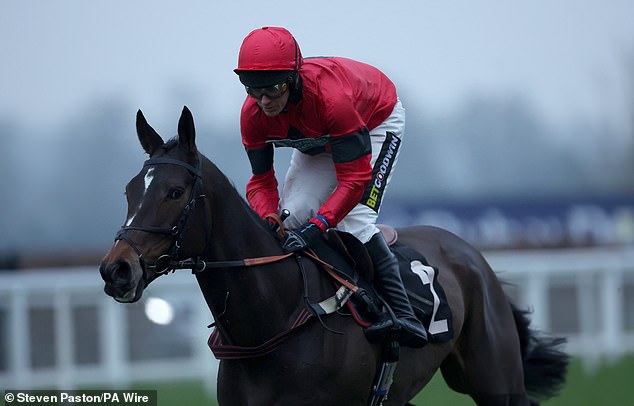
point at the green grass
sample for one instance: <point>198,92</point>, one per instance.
<point>186,393</point>
<point>611,384</point>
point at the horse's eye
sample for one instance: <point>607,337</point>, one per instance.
<point>176,193</point>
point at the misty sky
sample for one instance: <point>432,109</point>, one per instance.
<point>74,72</point>
<point>567,58</point>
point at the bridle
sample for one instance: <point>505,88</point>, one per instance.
<point>166,262</point>
<point>170,261</point>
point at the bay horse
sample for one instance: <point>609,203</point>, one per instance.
<point>181,207</point>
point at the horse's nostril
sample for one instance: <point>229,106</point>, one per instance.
<point>118,272</point>
<point>121,272</point>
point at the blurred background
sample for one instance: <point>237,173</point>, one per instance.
<point>520,138</point>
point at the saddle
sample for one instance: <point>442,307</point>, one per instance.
<point>351,261</point>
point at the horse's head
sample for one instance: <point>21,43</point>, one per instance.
<point>161,198</point>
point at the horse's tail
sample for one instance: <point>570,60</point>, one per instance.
<point>545,364</point>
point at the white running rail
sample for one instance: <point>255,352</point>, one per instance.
<point>589,291</point>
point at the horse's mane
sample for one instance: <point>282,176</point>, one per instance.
<point>230,188</point>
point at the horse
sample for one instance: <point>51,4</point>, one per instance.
<point>181,208</point>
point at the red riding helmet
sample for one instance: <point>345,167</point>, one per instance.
<point>268,56</point>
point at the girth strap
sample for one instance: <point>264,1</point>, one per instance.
<point>222,351</point>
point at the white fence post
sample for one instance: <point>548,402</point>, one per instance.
<point>589,313</point>
<point>19,340</point>
<point>114,330</point>
<point>64,340</point>
<point>538,301</point>
<point>611,298</point>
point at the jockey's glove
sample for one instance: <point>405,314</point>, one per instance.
<point>302,238</point>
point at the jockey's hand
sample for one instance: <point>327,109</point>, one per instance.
<point>302,238</point>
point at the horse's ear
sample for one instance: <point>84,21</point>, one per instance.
<point>186,131</point>
<point>150,140</point>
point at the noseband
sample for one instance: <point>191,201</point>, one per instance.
<point>164,263</point>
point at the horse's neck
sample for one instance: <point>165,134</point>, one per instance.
<point>246,302</point>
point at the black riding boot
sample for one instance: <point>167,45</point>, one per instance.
<point>388,281</point>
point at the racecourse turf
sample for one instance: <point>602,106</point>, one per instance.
<point>610,384</point>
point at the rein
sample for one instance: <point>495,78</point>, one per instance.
<point>198,265</point>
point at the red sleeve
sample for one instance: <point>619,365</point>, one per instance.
<point>262,193</point>
<point>353,177</point>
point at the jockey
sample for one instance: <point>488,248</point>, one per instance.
<point>346,124</point>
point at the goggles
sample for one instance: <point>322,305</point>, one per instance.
<point>272,92</point>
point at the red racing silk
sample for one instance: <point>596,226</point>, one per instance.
<point>340,98</point>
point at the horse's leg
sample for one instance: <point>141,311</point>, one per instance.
<point>460,374</point>
<point>415,368</point>
<point>487,362</point>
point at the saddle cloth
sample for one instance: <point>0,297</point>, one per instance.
<point>420,280</point>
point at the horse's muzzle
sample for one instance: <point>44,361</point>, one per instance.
<point>123,280</point>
